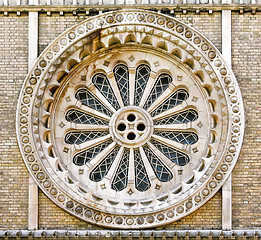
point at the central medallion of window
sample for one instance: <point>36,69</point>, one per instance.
<point>122,125</point>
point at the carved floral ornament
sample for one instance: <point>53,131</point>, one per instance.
<point>130,119</point>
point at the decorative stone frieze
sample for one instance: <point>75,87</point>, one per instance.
<point>116,2</point>
<point>141,234</point>
<point>130,119</point>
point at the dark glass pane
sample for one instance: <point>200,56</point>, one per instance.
<point>181,137</point>
<point>78,137</point>
<point>121,74</point>
<point>175,99</point>
<point>160,86</point>
<point>185,116</point>
<point>160,170</point>
<point>173,154</point>
<point>141,78</point>
<point>101,82</point>
<point>78,116</point>
<point>142,182</point>
<point>88,99</point>
<point>87,155</point>
<point>120,179</point>
<point>102,169</point>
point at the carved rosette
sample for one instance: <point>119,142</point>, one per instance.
<point>51,112</point>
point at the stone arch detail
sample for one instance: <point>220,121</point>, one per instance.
<point>89,48</point>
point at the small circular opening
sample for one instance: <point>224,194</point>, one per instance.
<point>131,118</point>
<point>141,127</point>
<point>121,127</point>
<point>131,136</point>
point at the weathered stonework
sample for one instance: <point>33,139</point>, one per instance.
<point>199,219</point>
<point>246,184</point>
<point>47,158</point>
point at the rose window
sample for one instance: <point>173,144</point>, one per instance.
<point>127,131</point>
<point>133,125</point>
<point>130,119</point>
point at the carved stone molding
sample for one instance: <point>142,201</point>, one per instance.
<point>65,96</point>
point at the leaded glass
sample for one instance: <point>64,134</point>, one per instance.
<point>101,82</point>
<point>120,179</point>
<point>142,182</point>
<point>106,190</point>
<point>88,154</point>
<point>141,78</point>
<point>178,136</point>
<point>99,172</point>
<point>78,116</point>
<point>88,99</point>
<point>173,154</point>
<point>184,116</point>
<point>175,99</point>
<point>160,170</point>
<point>121,74</point>
<point>159,87</point>
<point>78,137</point>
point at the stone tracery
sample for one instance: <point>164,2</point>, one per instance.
<point>200,64</point>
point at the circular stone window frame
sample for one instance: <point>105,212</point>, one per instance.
<point>169,29</point>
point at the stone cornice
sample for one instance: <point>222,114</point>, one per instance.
<point>141,234</point>
<point>168,8</point>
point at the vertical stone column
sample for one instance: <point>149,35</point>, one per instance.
<point>227,187</point>
<point>32,55</point>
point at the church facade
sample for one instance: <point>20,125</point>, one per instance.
<point>130,119</point>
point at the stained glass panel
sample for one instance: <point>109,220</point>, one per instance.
<point>99,172</point>
<point>160,170</point>
<point>159,87</point>
<point>101,82</point>
<point>87,155</point>
<point>77,116</point>
<point>78,137</point>
<point>141,78</point>
<point>175,99</point>
<point>88,99</point>
<point>142,182</point>
<point>178,136</point>
<point>121,74</point>
<point>185,116</point>
<point>120,179</point>
<point>173,154</point>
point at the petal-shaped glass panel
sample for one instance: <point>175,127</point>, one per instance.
<point>142,182</point>
<point>101,82</point>
<point>120,179</point>
<point>77,116</point>
<point>87,155</point>
<point>173,154</point>
<point>159,87</point>
<point>142,76</point>
<point>78,137</point>
<point>175,99</point>
<point>121,74</point>
<point>160,170</point>
<point>88,99</point>
<point>99,172</point>
<point>185,116</point>
<point>178,136</point>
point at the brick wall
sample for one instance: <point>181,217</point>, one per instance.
<point>13,174</point>
<point>246,55</point>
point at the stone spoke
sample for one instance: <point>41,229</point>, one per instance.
<point>86,155</point>
<point>169,112</point>
<point>92,143</point>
